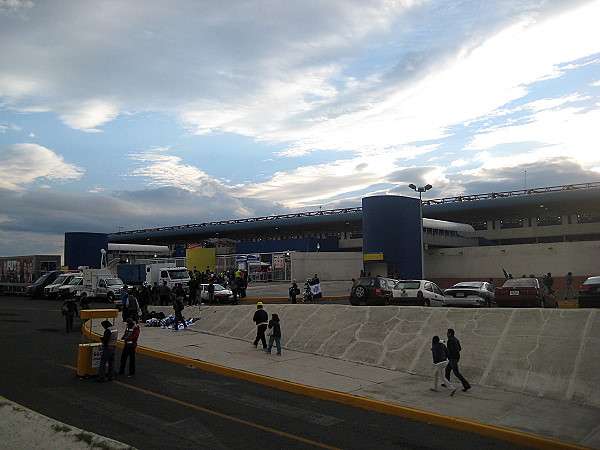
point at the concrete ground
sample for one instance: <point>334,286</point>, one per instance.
<point>517,417</point>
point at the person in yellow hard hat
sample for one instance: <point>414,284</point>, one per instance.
<point>261,319</point>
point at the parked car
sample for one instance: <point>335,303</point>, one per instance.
<point>51,291</point>
<point>469,293</point>
<point>417,292</point>
<point>371,291</point>
<point>589,293</point>
<point>525,292</point>
<point>222,295</point>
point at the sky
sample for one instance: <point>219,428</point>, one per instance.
<point>127,115</point>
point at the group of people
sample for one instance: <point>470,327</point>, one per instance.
<point>109,346</point>
<point>271,327</point>
<point>445,361</point>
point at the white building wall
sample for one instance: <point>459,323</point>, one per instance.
<point>330,266</point>
<point>581,258</point>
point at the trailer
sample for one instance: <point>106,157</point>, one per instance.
<point>148,274</point>
<point>27,274</point>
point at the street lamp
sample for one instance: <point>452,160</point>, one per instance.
<point>420,190</point>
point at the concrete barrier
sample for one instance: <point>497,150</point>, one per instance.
<point>550,353</point>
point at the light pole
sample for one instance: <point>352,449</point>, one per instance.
<point>420,190</point>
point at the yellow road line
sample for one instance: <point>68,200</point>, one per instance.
<point>221,415</point>
<point>471,426</point>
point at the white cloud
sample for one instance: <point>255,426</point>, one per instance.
<point>89,114</point>
<point>22,164</point>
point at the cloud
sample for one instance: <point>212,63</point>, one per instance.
<point>89,114</point>
<point>22,164</point>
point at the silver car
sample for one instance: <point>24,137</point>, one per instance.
<point>469,293</point>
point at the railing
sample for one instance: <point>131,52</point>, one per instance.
<point>460,198</point>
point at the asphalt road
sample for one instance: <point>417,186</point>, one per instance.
<point>167,405</point>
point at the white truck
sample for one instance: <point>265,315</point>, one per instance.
<point>139,274</point>
<point>99,283</point>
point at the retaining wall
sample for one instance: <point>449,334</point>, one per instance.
<point>545,352</point>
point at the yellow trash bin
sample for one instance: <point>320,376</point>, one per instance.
<point>88,354</point>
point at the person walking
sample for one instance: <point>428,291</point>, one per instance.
<point>109,344</point>
<point>130,338</point>
<point>274,327</point>
<point>261,319</point>
<point>440,361</point>
<point>178,308</point>
<point>69,310</point>
<point>454,350</point>
<point>569,294</point>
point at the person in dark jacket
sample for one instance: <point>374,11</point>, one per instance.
<point>130,338</point>
<point>70,313</point>
<point>453,357</point>
<point>294,291</point>
<point>440,360</point>
<point>109,345</point>
<point>261,319</point>
<point>275,328</point>
<point>178,308</point>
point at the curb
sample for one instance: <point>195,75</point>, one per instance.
<point>493,431</point>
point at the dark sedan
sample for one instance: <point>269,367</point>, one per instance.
<point>525,292</point>
<point>589,293</point>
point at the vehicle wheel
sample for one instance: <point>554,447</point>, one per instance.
<point>386,301</point>
<point>488,303</point>
<point>360,292</point>
<point>426,302</point>
<point>110,297</point>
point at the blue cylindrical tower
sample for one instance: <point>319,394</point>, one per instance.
<point>392,236</point>
<point>83,249</point>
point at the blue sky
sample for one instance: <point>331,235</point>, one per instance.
<point>150,113</point>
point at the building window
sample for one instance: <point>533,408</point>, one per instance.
<point>511,223</point>
<point>549,220</point>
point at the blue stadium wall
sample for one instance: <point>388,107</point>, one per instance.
<point>392,226</point>
<point>83,249</point>
<point>330,244</point>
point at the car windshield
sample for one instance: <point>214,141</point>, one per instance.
<point>113,282</point>
<point>521,282</point>
<point>76,280</point>
<point>179,274</point>
<point>41,279</point>
<point>468,284</point>
<point>366,281</point>
<point>60,280</point>
<point>592,280</point>
<point>218,287</point>
<point>408,285</point>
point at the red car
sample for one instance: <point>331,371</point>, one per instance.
<point>525,292</point>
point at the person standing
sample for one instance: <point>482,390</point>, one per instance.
<point>109,344</point>
<point>294,291</point>
<point>132,305</point>
<point>454,350</point>
<point>178,308</point>
<point>261,319</point>
<point>124,295</point>
<point>155,294</point>
<point>193,285</point>
<point>211,291</point>
<point>163,294</point>
<point>569,294</point>
<point>548,281</point>
<point>69,311</point>
<point>130,338</point>
<point>440,361</point>
<point>275,327</point>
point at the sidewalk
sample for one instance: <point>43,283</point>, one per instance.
<point>379,389</point>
